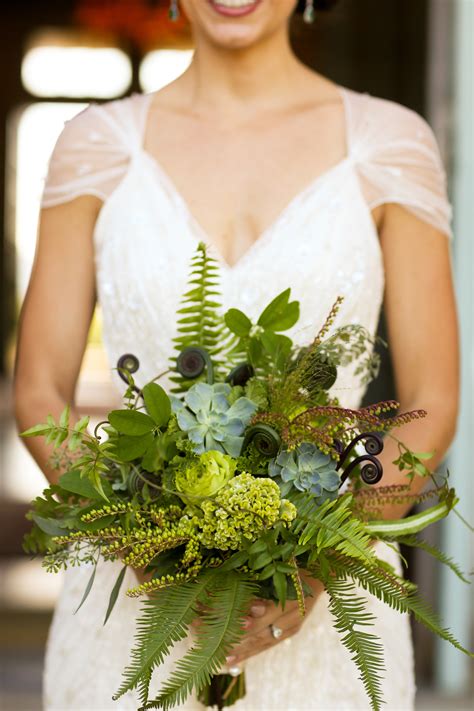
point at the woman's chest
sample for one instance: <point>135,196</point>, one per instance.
<point>323,245</point>
<point>236,183</point>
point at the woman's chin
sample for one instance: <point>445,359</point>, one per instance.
<point>235,37</point>
<point>238,24</point>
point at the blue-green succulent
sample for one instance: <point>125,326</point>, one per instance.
<point>209,419</point>
<point>307,469</point>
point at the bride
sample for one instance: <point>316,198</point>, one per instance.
<point>291,180</point>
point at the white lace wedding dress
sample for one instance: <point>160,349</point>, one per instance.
<point>323,244</point>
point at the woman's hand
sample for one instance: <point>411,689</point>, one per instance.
<point>265,613</point>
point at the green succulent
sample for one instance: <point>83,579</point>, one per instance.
<point>307,469</point>
<point>210,421</point>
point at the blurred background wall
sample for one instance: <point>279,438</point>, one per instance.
<point>60,55</point>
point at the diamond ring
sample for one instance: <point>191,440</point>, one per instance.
<point>276,631</point>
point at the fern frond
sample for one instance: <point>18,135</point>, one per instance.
<point>400,594</point>
<point>164,620</point>
<point>200,320</point>
<point>365,648</point>
<point>219,631</point>
<point>334,526</point>
<point>415,542</point>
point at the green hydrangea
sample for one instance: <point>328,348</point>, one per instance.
<point>240,511</point>
<point>205,475</point>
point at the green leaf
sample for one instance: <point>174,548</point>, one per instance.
<point>61,437</point>
<point>235,561</point>
<point>152,459</point>
<point>286,550</point>
<point>423,455</point>
<point>35,431</point>
<point>260,560</point>
<point>131,422</point>
<point>73,482</point>
<point>285,568</point>
<point>128,448</point>
<point>280,584</point>
<point>267,572</point>
<point>88,588</point>
<point>48,525</point>
<point>115,592</point>
<point>64,417</point>
<point>81,424</point>
<point>277,345</point>
<point>274,309</point>
<point>237,322</point>
<point>255,350</point>
<point>74,441</point>
<point>257,547</point>
<point>280,315</point>
<point>157,403</point>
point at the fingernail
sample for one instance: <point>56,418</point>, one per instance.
<point>257,610</point>
<point>230,659</point>
<point>246,623</point>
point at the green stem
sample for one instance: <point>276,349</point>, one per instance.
<point>410,524</point>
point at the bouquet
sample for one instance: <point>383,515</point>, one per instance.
<point>229,487</point>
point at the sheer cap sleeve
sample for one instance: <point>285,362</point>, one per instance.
<point>398,160</point>
<point>93,151</point>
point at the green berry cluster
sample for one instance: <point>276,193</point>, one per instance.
<point>141,553</point>
<point>241,510</point>
<point>117,508</point>
<point>165,581</point>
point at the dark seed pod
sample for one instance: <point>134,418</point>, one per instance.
<point>371,472</point>
<point>98,426</point>
<point>129,362</point>
<point>328,376</point>
<point>373,444</point>
<point>323,375</point>
<point>265,439</point>
<point>240,374</point>
<point>192,361</point>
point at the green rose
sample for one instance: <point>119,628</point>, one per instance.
<point>206,475</point>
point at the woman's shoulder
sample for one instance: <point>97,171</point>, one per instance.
<point>114,123</point>
<point>398,158</point>
<point>93,151</point>
<point>382,124</point>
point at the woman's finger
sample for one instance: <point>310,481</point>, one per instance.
<point>275,615</point>
<point>259,643</point>
<point>258,608</point>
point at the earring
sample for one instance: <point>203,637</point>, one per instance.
<point>173,12</point>
<point>309,13</point>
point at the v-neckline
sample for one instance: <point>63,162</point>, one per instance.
<point>201,235</point>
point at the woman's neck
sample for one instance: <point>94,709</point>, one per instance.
<point>236,82</point>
